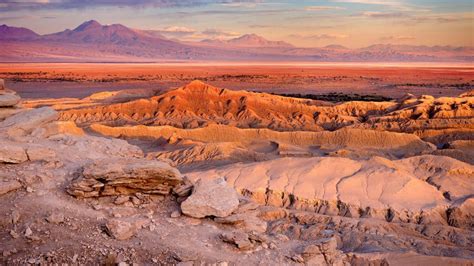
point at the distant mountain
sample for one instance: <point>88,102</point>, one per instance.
<point>336,47</point>
<point>415,48</point>
<point>15,33</point>
<point>93,42</point>
<point>93,32</point>
<point>250,40</point>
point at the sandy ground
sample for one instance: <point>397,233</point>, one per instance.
<point>55,80</point>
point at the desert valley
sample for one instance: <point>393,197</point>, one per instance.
<point>226,176</point>
<point>189,138</point>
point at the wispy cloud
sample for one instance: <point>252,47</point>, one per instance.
<point>66,4</point>
<point>370,2</point>
<point>398,38</point>
<point>383,15</point>
<point>324,36</point>
<point>323,8</point>
<point>176,31</point>
<point>219,34</point>
<point>392,4</point>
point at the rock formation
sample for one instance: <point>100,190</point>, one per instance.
<point>211,198</point>
<point>125,176</point>
<point>208,176</point>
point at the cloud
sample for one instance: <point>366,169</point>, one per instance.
<point>443,18</point>
<point>324,36</point>
<point>400,38</point>
<point>241,4</point>
<point>178,29</point>
<point>260,26</point>
<point>375,14</point>
<point>219,34</point>
<point>392,4</point>
<point>323,8</point>
<point>24,17</point>
<point>66,4</point>
<point>370,2</point>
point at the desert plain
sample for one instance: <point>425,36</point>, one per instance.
<point>231,164</point>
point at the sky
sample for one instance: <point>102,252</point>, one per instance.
<point>305,23</point>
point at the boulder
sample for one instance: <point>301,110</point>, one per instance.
<point>11,152</point>
<point>211,198</point>
<point>25,122</point>
<point>120,230</point>
<point>323,251</point>
<point>247,221</point>
<point>239,239</point>
<point>55,218</point>
<point>125,176</point>
<point>9,100</point>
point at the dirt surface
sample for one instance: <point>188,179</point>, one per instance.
<point>52,80</point>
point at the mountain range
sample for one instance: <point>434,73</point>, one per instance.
<point>94,42</point>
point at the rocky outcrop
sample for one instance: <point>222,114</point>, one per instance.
<point>462,213</point>
<point>25,122</point>
<point>8,100</point>
<point>180,108</point>
<point>211,198</point>
<point>109,177</point>
<point>323,252</point>
<point>11,152</point>
<point>417,189</point>
<point>398,144</point>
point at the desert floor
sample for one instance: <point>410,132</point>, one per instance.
<point>161,164</point>
<point>58,80</point>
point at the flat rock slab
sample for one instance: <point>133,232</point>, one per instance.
<point>12,153</point>
<point>25,122</point>
<point>211,198</point>
<point>6,112</point>
<point>125,176</point>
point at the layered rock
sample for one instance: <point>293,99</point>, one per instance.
<point>9,101</point>
<point>25,122</point>
<point>11,152</point>
<point>397,143</point>
<point>109,177</point>
<point>416,189</point>
<point>198,104</point>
